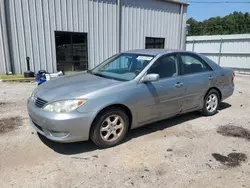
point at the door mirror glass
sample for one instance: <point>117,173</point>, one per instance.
<point>151,78</point>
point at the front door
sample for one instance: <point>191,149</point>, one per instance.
<point>161,99</point>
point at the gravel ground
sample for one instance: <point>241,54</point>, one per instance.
<point>186,151</point>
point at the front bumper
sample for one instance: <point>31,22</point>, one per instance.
<point>70,127</point>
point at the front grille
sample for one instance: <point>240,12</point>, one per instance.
<point>40,128</point>
<point>40,102</point>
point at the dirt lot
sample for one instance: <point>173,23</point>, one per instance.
<point>187,151</point>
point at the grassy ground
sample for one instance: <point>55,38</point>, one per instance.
<point>18,76</point>
<point>71,72</point>
<point>14,76</point>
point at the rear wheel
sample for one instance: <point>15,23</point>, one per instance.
<point>110,128</point>
<point>211,103</point>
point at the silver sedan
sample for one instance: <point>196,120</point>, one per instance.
<point>127,91</point>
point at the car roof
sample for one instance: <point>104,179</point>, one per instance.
<point>156,52</point>
<point>153,52</point>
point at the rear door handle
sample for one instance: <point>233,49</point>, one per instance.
<point>178,84</point>
<point>210,77</point>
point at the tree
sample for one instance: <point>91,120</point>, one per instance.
<point>235,23</point>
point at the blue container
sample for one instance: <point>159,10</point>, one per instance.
<point>40,76</point>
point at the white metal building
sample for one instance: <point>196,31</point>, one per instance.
<point>227,50</point>
<point>79,34</point>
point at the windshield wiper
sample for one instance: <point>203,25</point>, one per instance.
<point>101,75</point>
<point>108,77</point>
<point>89,71</point>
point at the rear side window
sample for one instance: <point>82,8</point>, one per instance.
<point>192,64</point>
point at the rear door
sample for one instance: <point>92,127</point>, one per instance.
<point>197,78</point>
<point>162,98</point>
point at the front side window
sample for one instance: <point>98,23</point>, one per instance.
<point>123,67</point>
<point>166,67</point>
<point>192,64</point>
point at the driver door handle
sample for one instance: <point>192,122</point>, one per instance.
<point>210,77</point>
<point>178,84</point>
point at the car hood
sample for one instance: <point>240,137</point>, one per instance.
<point>73,86</point>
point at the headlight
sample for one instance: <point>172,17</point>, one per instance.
<point>63,106</point>
<point>32,94</point>
<point>32,97</point>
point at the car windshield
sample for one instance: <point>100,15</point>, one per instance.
<point>124,67</point>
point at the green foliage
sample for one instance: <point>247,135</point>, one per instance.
<point>14,76</point>
<point>235,23</point>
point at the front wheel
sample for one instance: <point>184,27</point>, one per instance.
<point>211,103</point>
<point>110,128</point>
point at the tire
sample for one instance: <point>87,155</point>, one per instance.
<point>210,108</point>
<point>109,128</point>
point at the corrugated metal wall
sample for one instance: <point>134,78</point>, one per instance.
<point>227,50</point>
<point>4,52</point>
<point>149,19</point>
<point>2,56</point>
<point>31,25</point>
<point>184,28</point>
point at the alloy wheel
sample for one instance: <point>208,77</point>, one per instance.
<point>212,102</point>
<point>112,128</point>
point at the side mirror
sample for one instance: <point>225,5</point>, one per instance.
<point>151,78</point>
